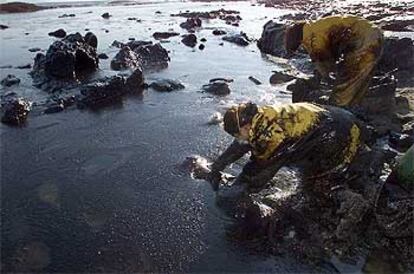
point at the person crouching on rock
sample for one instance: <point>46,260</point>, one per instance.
<point>346,48</point>
<point>320,140</point>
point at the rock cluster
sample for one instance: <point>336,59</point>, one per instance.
<point>65,61</point>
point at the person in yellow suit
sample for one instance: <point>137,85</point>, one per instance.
<point>346,48</point>
<point>318,139</point>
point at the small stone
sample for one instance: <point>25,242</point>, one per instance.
<point>35,49</point>
<point>190,40</point>
<point>164,35</point>
<point>60,33</point>
<point>103,56</point>
<point>106,15</point>
<point>221,79</point>
<point>117,44</point>
<point>201,47</point>
<point>10,80</point>
<point>68,101</point>
<point>67,15</point>
<point>27,66</point>
<point>54,108</point>
<point>401,142</point>
<point>219,32</point>
<point>203,40</point>
<point>216,119</point>
<point>280,77</point>
<point>254,80</point>
<point>166,85</point>
<point>217,87</point>
<point>240,39</point>
<point>2,27</point>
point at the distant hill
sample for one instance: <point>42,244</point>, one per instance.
<point>14,7</point>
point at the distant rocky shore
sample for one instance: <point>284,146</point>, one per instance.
<point>15,7</point>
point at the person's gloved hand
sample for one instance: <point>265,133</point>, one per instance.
<point>214,177</point>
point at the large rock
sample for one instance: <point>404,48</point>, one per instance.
<point>102,92</point>
<point>109,90</point>
<point>397,54</point>
<point>125,59</point>
<point>306,90</point>
<point>15,111</point>
<point>190,40</point>
<point>272,39</point>
<point>240,39</point>
<point>145,54</point>
<point>10,80</point>
<point>65,61</point>
<point>91,39</point>
<point>152,56</point>
<point>380,97</point>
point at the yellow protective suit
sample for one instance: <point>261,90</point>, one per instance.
<point>273,126</point>
<point>348,46</point>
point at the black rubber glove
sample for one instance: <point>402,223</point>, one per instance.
<point>214,178</point>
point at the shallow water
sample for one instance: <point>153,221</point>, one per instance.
<point>99,191</point>
<point>87,191</point>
